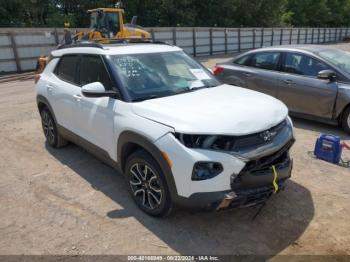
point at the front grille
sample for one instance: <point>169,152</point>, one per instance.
<point>258,173</point>
<point>255,140</point>
<point>267,161</point>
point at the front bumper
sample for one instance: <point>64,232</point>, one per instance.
<point>248,193</point>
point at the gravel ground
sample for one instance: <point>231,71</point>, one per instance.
<point>67,202</point>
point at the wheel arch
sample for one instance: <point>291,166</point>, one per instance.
<point>341,114</point>
<point>42,102</point>
<point>129,142</point>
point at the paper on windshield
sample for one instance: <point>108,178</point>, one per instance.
<point>200,74</point>
<point>196,83</point>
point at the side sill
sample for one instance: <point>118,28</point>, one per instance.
<point>98,152</point>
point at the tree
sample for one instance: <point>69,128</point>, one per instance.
<point>223,13</point>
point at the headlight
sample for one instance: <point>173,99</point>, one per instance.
<point>206,170</point>
<point>212,142</point>
<point>234,144</point>
<point>289,121</point>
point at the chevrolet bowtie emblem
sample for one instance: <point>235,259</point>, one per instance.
<point>268,135</point>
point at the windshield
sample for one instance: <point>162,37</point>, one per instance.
<point>339,58</point>
<point>153,75</point>
<point>105,21</point>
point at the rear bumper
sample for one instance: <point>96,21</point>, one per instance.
<point>250,189</point>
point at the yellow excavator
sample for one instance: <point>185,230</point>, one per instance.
<point>106,25</point>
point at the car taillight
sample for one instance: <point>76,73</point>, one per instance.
<point>37,78</point>
<point>217,70</point>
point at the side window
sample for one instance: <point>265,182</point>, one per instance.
<point>303,65</point>
<point>265,60</point>
<point>92,69</point>
<point>66,68</point>
<point>242,60</point>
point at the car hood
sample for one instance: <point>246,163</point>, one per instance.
<point>224,110</point>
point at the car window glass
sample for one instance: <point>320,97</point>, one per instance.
<point>242,60</point>
<point>303,65</point>
<point>266,60</point>
<point>160,74</point>
<point>92,69</point>
<point>66,68</point>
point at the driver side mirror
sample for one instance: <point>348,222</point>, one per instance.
<point>327,75</point>
<point>97,89</point>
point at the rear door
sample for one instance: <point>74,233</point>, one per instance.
<point>301,90</point>
<point>264,76</point>
<point>235,72</point>
<point>61,90</point>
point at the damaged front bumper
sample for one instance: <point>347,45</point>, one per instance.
<point>252,186</point>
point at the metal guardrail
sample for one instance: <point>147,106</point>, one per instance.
<point>20,47</point>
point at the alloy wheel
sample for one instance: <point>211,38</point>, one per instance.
<point>145,186</point>
<point>48,127</point>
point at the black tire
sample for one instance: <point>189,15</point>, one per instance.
<point>346,120</point>
<point>147,184</point>
<point>53,138</point>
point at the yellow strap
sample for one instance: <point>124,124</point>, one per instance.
<point>274,183</point>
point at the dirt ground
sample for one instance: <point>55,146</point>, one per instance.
<point>67,202</point>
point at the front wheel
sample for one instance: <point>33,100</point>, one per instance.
<point>346,120</point>
<point>147,184</point>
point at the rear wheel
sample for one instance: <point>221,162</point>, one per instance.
<point>147,184</point>
<point>346,120</point>
<point>51,133</point>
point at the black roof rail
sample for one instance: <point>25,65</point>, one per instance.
<point>81,44</point>
<point>131,40</point>
<point>100,43</point>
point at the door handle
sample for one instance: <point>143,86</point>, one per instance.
<point>288,81</point>
<point>248,74</point>
<point>49,87</point>
<point>77,97</point>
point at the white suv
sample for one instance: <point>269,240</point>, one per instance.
<point>179,136</point>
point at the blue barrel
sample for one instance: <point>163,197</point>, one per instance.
<point>328,148</point>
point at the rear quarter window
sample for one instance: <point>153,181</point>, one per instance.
<point>66,68</point>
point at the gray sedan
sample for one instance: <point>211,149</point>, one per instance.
<point>313,81</point>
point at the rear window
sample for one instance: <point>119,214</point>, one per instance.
<point>66,69</point>
<point>244,60</point>
<point>265,60</point>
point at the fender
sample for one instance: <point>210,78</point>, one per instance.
<point>129,137</point>
<point>343,100</point>
<point>42,99</point>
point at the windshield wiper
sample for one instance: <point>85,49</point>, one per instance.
<point>201,87</point>
<point>139,99</point>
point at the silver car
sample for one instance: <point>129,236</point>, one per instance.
<point>313,81</point>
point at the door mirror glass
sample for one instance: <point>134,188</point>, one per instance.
<point>97,89</point>
<point>327,75</point>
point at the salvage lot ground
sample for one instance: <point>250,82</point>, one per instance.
<point>67,202</point>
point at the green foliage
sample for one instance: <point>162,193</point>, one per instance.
<point>223,13</point>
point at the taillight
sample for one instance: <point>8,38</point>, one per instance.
<point>37,78</point>
<point>217,70</point>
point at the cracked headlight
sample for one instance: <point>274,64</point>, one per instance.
<point>211,142</point>
<point>237,144</point>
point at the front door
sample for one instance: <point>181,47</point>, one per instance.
<point>95,116</point>
<point>301,90</point>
